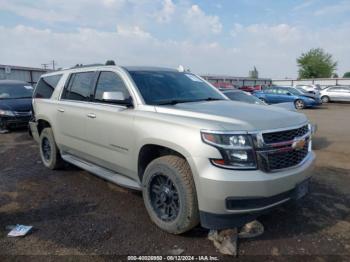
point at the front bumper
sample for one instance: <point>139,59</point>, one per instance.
<point>10,122</point>
<point>313,103</point>
<point>256,191</point>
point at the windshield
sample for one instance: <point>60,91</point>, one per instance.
<point>295,91</point>
<point>243,97</point>
<point>167,87</point>
<point>15,91</point>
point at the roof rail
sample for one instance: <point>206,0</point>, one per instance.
<point>83,66</point>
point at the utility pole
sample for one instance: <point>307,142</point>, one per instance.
<point>53,65</point>
<point>45,66</point>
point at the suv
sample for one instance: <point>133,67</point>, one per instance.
<point>195,155</point>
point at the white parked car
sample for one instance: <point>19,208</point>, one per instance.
<point>312,89</point>
<point>335,93</point>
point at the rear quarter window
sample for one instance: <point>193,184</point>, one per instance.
<point>46,86</point>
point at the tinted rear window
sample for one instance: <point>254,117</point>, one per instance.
<point>46,86</point>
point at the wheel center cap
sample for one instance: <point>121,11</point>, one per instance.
<point>165,194</point>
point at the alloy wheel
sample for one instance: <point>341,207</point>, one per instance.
<point>164,197</point>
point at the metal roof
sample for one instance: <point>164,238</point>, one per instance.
<point>24,68</point>
<point>12,82</point>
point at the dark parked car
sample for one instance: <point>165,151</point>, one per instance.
<point>276,94</point>
<point>15,104</point>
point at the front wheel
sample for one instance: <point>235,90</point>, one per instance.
<point>299,104</point>
<point>170,195</point>
<point>325,99</point>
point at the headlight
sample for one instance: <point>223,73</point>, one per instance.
<point>6,113</point>
<point>236,150</point>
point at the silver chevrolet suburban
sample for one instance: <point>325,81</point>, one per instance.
<point>197,156</point>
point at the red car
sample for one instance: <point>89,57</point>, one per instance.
<point>251,88</point>
<point>222,85</point>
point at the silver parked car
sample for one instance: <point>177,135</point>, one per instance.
<point>335,93</point>
<point>197,156</point>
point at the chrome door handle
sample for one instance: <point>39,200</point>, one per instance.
<point>60,110</point>
<point>91,115</point>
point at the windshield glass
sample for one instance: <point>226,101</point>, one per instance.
<point>15,91</point>
<point>295,91</point>
<point>167,87</point>
<point>243,97</point>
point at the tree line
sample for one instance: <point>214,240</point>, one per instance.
<point>316,63</point>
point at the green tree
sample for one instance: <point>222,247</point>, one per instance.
<point>346,75</point>
<point>316,63</point>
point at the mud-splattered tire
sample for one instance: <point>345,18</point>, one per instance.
<point>169,194</point>
<point>49,153</point>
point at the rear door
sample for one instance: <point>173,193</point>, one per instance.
<point>110,128</point>
<point>72,113</point>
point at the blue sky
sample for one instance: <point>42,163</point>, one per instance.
<point>218,37</point>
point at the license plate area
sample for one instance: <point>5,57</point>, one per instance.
<point>302,189</point>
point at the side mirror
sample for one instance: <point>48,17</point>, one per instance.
<point>117,98</point>
<point>289,94</point>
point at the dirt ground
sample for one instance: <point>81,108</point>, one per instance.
<point>76,213</point>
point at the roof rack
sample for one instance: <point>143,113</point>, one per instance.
<point>83,66</point>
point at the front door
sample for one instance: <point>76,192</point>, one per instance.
<point>110,127</point>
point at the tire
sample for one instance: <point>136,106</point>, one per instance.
<point>170,195</point>
<point>262,99</point>
<point>49,153</point>
<point>299,104</point>
<point>325,99</point>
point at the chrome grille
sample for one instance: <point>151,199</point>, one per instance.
<point>281,149</point>
<point>281,160</point>
<point>282,136</point>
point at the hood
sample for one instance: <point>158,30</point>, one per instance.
<point>18,105</point>
<point>314,96</point>
<point>287,105</point>
<point>237,116</point>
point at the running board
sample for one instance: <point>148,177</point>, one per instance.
<point>102,172</point>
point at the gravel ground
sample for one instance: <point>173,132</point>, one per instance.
<point>75,213</point>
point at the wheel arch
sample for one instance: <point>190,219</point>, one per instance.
<point>150,151</point>
<point>42,124</point>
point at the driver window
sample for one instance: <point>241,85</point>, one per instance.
<point>109,82</point>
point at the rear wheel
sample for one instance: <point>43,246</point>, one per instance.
<point>299,104</point>
<point>49,152</point>
<point>325,99</point>
<point>169,194</point>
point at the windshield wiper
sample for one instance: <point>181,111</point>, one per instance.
<point>210,99</point>
<point>178,101</point>
<point>175,101</point>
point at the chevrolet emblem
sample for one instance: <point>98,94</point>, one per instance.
<point>298,144</point>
